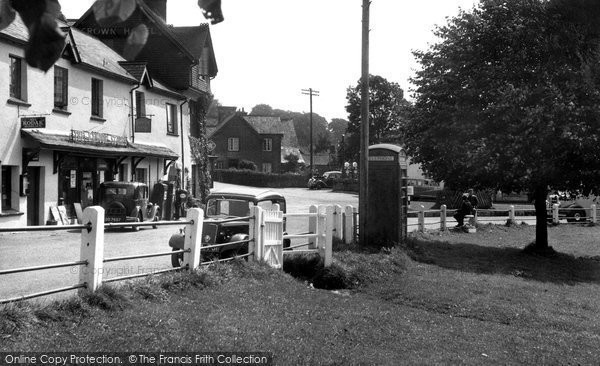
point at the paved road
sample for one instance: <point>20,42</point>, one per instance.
<point>41,248</point>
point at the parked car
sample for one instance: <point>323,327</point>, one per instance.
<point>228,204</point>
<point>572,208</point>
<point>327,180</point>
<point>127,202</point>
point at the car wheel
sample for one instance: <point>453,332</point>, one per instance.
<point>576,216</point>
<point>176,259</point>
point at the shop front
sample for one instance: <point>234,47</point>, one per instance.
<point>82,160</point>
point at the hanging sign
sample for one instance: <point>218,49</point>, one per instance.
<point>33,122</point>
<point>73,178</point>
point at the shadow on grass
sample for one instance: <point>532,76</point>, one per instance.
<point>558,268</point>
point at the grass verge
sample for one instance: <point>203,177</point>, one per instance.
<point>449,298</point>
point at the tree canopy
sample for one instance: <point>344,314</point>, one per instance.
<point>508,99</point>
<point>387,113</point>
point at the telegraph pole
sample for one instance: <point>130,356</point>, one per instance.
<point>311,92</point>
<point>363,194</point>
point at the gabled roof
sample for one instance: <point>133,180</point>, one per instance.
<point>195,38</point>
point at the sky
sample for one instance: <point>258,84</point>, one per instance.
<point>267,51</point>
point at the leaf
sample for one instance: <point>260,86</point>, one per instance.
<point>136,41</point>
<point>46,40</point>
<point>109,12</point>
<point>211,9</point>
<point>7,14</point>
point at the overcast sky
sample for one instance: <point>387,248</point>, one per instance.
<point>269,50</point>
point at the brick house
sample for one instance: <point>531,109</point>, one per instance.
<point>266,141</point>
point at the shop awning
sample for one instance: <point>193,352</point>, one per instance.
<point>96,144</point>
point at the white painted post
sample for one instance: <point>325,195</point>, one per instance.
<point>474,223</point>
<point>312,226</point>
<point>321,227</point>
<point>422,218</point>
<point>193,238</point>
<point>92,248</point>
<point>257,225</point>
<point>251,234</point>
<point>348,224</point>
<point>325,250</point>
<point>555,218</point>
<point>337,222</point>
<point>594,213</point>
<point>443,213</point>
<point>511,214</point>
<point>276,207</point>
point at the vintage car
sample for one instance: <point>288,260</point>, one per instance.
<point>127,202</point>
<point>573,208</point>
<point>327,180</point>
<point>224,205</point>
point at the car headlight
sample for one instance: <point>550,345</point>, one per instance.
<point>207,239</point>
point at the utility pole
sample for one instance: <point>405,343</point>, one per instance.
<point>311,92</point>
<point>363,194</point>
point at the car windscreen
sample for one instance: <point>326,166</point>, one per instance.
<point>220,207</point>
<point>111,192</point>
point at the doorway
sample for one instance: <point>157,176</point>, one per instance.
<point>33,197</point>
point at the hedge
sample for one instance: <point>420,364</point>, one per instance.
<point>260,179</point>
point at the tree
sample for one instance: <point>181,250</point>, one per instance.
<point>387,112</point>
<point>291,164</point>
<point>337,128</point>
<point>262,110</point>
<point>47,40</point>
<point>508,99</point>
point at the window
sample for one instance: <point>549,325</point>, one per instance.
<point>61,87</point>
<point>233,144</point>
<point>17,78</point>
<point>97,97</point>
<point>6,188</point>
<point>220,164</point>
<point>171,119</point>
<point>267,167</point>
<point>140,175</point>
<point>140,104</point>
<point>268,144</point>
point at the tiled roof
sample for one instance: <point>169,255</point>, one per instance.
<point>274,125</point>
<point>136,69</point>
<point>17,30</point>
<point>193,38</point>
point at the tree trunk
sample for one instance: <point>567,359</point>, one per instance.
<point>541,230</point>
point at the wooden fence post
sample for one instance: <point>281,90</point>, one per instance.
<point>256,233</point>
<point>193,238</point>
<point>325,249</point>
<point>92,248</point>
<point>348,224</point>
<point>443,213</point>
<point>312,226</point>
<point>555,218</point>
<point>337,222</point>
<point>422,218</point>
<point>594,213</point>
<point>511,214</point>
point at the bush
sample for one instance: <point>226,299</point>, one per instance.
<point>260,179</point>
<point>247,165</point>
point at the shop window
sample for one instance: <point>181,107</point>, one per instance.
<point>220,164</point>
<point>97,95</point>
<point>268,144</point>
<point>6,188</point>
<point>140,175</point>
<point>140,104</point>
<point>267,167</point>
<point>18,80</point>
<point>171,119</point>
<point>233,144</point>
<point>61,87</point>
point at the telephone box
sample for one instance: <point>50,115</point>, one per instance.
<point>388,200</point>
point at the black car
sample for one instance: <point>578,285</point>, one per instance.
<point>127,202</point>
<point>327,180</point>
<point>228,204</point>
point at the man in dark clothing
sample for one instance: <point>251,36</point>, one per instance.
<point>473,201</point>
<point>465,209</point>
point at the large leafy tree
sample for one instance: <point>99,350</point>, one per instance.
<point>508,98</point>
<point>387,112</point>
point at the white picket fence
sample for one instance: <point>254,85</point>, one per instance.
<point>265,242</point>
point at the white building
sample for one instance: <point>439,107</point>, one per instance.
<point>93,117</point>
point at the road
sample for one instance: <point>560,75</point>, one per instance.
<point>42,248</point>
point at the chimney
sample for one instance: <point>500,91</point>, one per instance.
<point>159,7</point>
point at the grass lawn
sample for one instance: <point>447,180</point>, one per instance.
<point>449,298</point>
